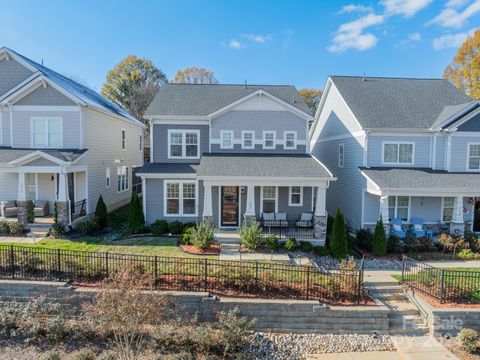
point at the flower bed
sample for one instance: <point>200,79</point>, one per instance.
<point>191,249</point>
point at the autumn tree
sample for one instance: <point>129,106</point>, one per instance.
<point>194,75</point>
<point>311,97</point>
<point>132,84</point>
<point>464,71</point>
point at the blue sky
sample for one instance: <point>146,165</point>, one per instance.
<point>264,42</point>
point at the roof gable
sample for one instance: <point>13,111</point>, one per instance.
<point>12,73</point>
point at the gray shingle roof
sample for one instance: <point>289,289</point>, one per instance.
<point>420,178</point>
<point>8,154</point>
<point>168,168</point>
<point>202,100</point>
<point>80,91</point>
<point>400,102</point>
<point>259,165</point>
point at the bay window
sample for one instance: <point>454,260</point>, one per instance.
<point>47,132</point>
<point>180,198</point>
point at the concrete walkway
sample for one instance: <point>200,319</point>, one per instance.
<point>19,239</point>
<point>454,263</point>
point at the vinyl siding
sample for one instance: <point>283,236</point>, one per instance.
<point>22,132</point>
<point>11,74</point>
<point>45,96</point>
<point>160,142</point>
<point>259,121</point>
<point>371,208</point>
<point>47,189</point>
<point>9,187</point>
<point>103,141</point>
<point>459,151</point>
<point>427,208</point>
<point>441,152</point>
<point>421,149</point>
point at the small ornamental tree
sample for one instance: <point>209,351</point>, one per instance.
<point>338,238</point>
<point>379,244</point>
<point>101,213</point>
<point>136,218</point>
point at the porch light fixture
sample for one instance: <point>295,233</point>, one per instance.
<point>53,178</point>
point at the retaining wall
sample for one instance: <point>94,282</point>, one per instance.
<point>273,315</point>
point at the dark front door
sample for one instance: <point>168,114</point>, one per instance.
<point>71,191</point>
<point>229,206</point>
<point>476,215</point>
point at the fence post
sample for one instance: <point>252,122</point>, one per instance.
<point>308,282</point>
<point>256,277</point>
<point>155,276</point>
<point>12,261</point>
<point>442,285</point>
<point>106,264</point>
<point>206,275</point>
<point>404,267</point>
<point>59,266</point>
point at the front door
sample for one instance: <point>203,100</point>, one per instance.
<point>229,206</point>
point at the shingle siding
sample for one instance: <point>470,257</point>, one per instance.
<point>11,74</point>
<point>45,96</point>
<point>5,127</point>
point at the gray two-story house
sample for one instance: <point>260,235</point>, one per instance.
<point>401,149</point>
<point>62,143</point>
<point>232,153</point>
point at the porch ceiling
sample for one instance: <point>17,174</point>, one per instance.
<point>261,166</point>
<point>437,182</point>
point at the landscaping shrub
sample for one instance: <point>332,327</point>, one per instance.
<point>472,240</point>
<point>272,242</point>
<point>338,238</point>
<point>468,254</point>
<point>469,339</point>
<point>50,355</point>
<point>291,244</point>
<point>159,227</point>
<point>88,227</point>
<point>321,250</point>
<point>330,221</point>
<point>393,244</point>
<point>306,246</point>
<point>452,243</point>
<point>251,236</point>
<point>136,218</point>
<point>15,228</point>
<point>186,237</point>
<point>365,239</point>
<point>101,213</point>
<point>83,354</point>
<point>175,227</point>
<point>107,355</point>
<point>348,264</point>
<point>203,234</point>
<point>4,229</point>
<point>30,211</point>
<point>379,244</point>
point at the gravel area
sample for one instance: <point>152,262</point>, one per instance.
<point>379,264</point>
<point>295,347</point>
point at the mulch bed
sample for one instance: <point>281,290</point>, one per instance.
<point>434,302</point>
<point>453,344</point>
<point>193,250</point>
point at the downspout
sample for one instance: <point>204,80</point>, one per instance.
<point>1,127</point>
<point>365,148</point>
<point>11,124</point>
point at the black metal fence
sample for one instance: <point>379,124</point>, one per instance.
<point>444,285</point>
<point>79,209</point>
<point>228,278</point>
<point>288,229</point>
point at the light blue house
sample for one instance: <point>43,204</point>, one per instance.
<point>405,149</point>
<point>232,153</point>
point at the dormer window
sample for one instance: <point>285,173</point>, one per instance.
<point>269,139</point>
<point>397,153</point>
<point>47,132</point>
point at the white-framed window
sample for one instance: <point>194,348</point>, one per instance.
<point>140,142</point>
<point>447,208</point>
<point>269,199</point>
<point>247,139</point>
<point>47,132</point>
<point>107,177</point>
<point>269,139</point>
<point>184,144</point>
<point>398,207</point>
<point>398,153</point>
<point>180,198</point>
<point>295,196</point>
<point>124,139</point>
<point>226,139</point>
<point>473,156</point>
<point>341,155</point>
<point>122,178</point>
<point>290,138</point>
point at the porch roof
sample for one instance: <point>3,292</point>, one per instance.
<point>168,168</point>
<point>422,179</point>
<point>8,154</point>
<point>262,166</point>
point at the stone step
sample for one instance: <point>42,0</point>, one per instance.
<point>385,289</point>
<point>401,307</point>
<point>389,296</point>
<point>408,330</point>
<point>370,283</point>
<point>406,319</point>
<point>227,241</point>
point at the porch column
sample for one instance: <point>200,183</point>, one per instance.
<point>63,211</point>
<point>457,226</point>
<point>320,216</point>
<point>207,202</point>
<point>384,213</point>
<point>249,216</point>
<point>22,215</point>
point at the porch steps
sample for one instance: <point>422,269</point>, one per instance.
<point>404,317</point>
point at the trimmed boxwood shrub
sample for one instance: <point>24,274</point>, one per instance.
<point>251,236</point>
<point>365,239</point>
<point>159,227</point>
<point>291,244</point>
<point>202,235</point>
<point>272,242</point>
<point>321,250</point>
<point>15,228</point>
<point>306,246</point>
<point>4,230</point>
<point>175,227</point>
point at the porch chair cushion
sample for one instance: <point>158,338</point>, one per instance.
<point>281,216</point>
<point>268,216</point>
<point>8,208</point>
<point>306,217</point>
<point>305,220</point>
<point>397,227</point>
<point>418,227</point>
<point>41,208</point>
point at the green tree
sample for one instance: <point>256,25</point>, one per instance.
<point>133,83</point>
<point>464,71</point>
<point>338,239</point>
<point>136,218</point>
<point>379,244</point>
<point>194,75</point>
<point>101,213</point>
<point>311,97</point>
